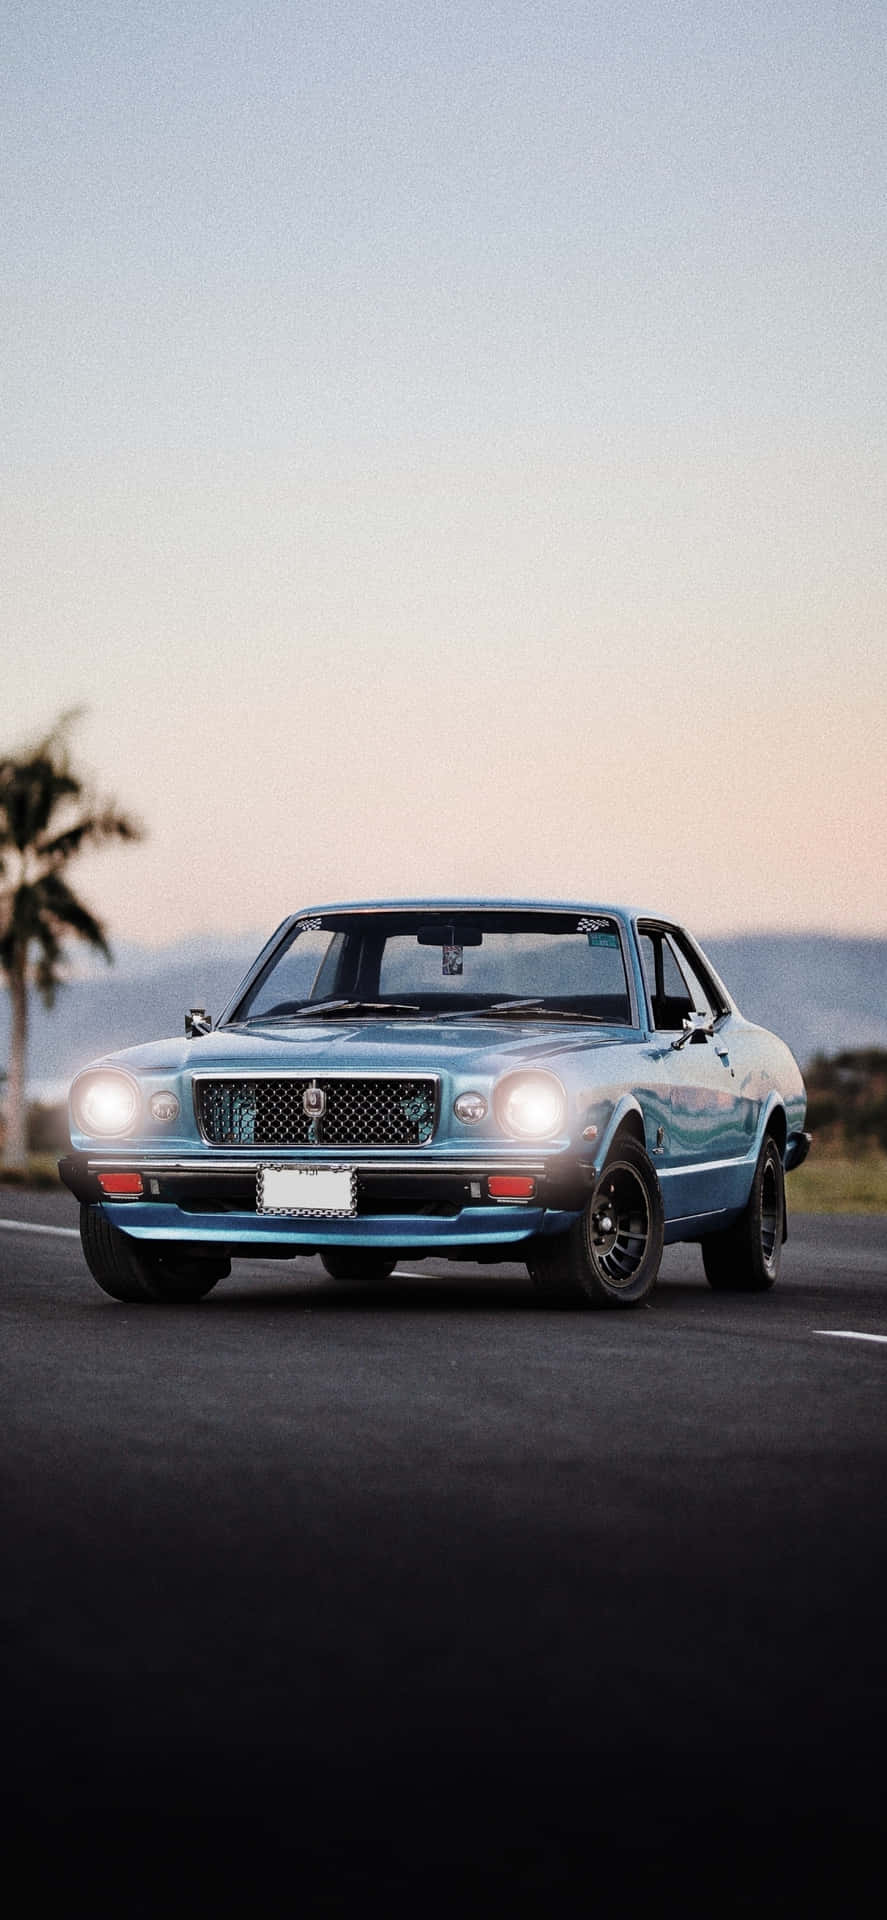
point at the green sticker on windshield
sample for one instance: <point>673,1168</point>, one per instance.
<point>603,939</point>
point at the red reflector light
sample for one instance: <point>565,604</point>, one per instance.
<point>120,1182</point>
<point>511,1186</point>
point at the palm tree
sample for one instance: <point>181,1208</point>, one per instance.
<point>47,816</point>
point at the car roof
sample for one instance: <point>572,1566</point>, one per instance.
<point>460,904</point>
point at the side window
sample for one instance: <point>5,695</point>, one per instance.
<point>648,962</point>
<point>672,978</point>
<point>673,985</point>
<point>707,995</point>
<point>701,1002</point>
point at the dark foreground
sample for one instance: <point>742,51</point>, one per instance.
<point>429,1599</point>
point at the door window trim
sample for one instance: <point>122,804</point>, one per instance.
<point>685,954</point>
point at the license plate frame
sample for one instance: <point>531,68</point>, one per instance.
<point>320,1192</point>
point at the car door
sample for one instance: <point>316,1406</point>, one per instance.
<point>709,1128</point>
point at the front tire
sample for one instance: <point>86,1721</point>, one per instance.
<point>143,1273</point>
<point>611,1256</point>
<point>361,1264</point>
<point>746,1258</point>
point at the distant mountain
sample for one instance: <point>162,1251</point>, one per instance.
<point>142,997</point>
<point>821,994</point>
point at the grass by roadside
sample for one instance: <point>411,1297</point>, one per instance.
<point>839,1185</point>
<point>42,1172</point>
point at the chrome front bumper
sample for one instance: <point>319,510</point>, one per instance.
<point>406,1200</point>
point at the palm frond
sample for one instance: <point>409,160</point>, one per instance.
<point>55,742</point>
<point>21,921</point>
<point>92,828</point>
<point>59,906</point>
<point>40,914</point>
<point>30,792</point>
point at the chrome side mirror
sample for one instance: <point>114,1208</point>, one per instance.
<point>197,1021</point>
<point>694,1025</point>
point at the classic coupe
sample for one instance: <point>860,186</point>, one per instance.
<point>568,1086</point>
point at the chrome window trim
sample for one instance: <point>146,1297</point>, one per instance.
<point>721,1004</point>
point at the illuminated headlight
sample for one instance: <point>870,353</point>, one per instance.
<point>531,1105</point>
<point>105,1103</point>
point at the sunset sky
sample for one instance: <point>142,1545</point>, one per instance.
<point>444,449</point>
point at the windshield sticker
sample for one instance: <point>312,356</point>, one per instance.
<point>451,961</point>
<point>598,929</point>
<point>308,926</point>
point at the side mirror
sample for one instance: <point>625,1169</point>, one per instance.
<point>696,1026</point>
<point>197,1021</point>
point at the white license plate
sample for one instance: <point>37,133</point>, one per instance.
<point>319,1190</point>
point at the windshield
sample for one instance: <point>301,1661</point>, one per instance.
<point>446,962</point>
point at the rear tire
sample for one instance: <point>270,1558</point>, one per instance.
<point>611,1256</point>
<point>144,1273</point>
<point>362,1264</point>
<point>746,1258</point>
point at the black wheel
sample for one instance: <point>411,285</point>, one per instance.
<point>746,1258</point>
<point>147,1272</point>
<point>363,1264</point>
<point>611,1257</point>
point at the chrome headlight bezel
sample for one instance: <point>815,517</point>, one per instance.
<point>124,1121</point>
<point>550,1115</point>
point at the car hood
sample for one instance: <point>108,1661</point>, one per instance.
<point>367,1045</point>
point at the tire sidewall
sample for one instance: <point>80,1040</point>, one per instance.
<point>594,1282</point>
<point>155,1274</point>
<point>765,1270</point>
<point>735,1261</point>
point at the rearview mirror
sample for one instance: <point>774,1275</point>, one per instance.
<point>437,934</point>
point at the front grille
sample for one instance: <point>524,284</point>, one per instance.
<point>358,1113</point>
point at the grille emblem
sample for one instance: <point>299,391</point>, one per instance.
<point>314,1102</point>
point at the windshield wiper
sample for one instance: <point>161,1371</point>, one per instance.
<point>318,1010</point>
<point>505,1007</point>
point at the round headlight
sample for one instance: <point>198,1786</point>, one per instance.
<point>164,1106</point>
<point>531,1105</point>
<point>469,1106</point>
<point>105,1103</point>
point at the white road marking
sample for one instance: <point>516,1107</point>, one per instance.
<point>29,1226</point>
<point>835,1333</point>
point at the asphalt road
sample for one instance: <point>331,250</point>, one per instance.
<point>428,1598</point>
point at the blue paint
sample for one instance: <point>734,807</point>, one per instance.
<point>701,1108</point>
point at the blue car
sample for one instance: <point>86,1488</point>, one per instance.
<point>569,1086</point>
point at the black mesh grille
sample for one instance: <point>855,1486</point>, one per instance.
<point>357,1113</point>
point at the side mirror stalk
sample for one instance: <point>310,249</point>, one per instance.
<point>197,1021</point>
<point>696,1026</point>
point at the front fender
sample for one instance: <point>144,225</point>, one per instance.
<point>772,1119</point>
<point>626,1109</point>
